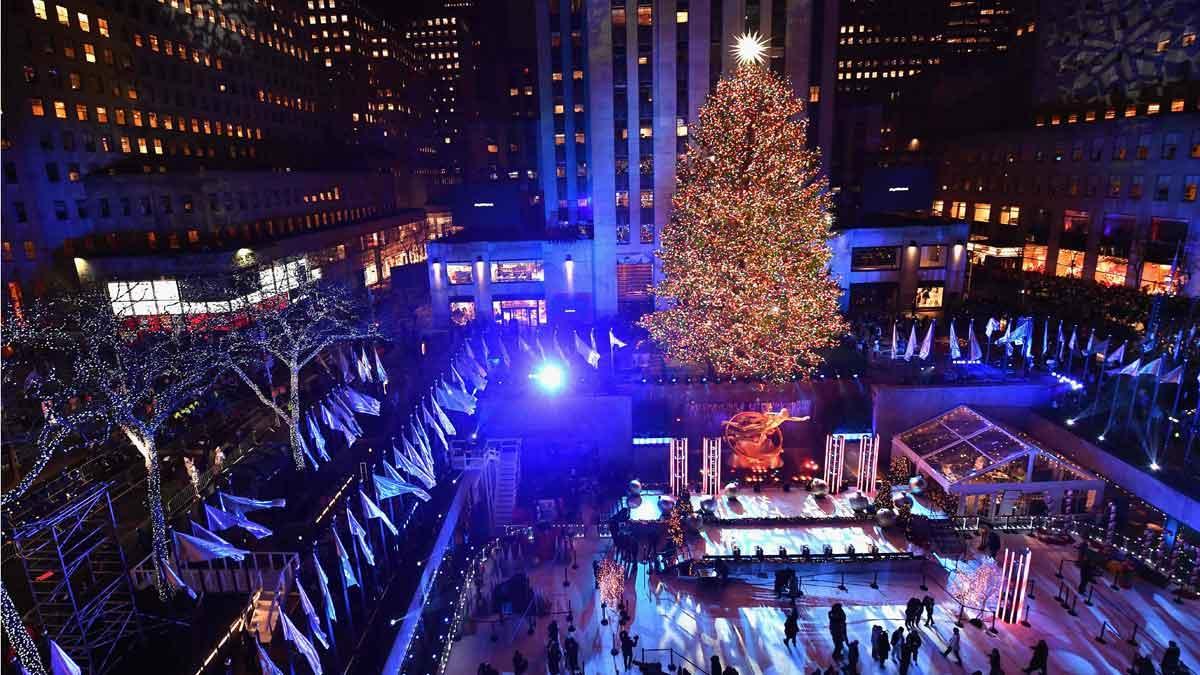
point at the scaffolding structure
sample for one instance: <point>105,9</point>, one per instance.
<point>679,466</point>
<point>835,455</point>
<point>79,579</point>
<point>710,467</point>
<point>868,463</point>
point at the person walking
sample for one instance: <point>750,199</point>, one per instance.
<point>571,647</point>
<point>1171,659</point>
<point>852,659</point>
<point>994,663</point>
<point>837,629</point>
<point>715,663</point>
<point>554,658</point>
<point>883,646</point>
<point>912,613</point>
<point>953,646</point>
<point>913,642</point>
<point>927,602</point>
<point>905,657</point>
<point>627,645</point>
<point>520,663</point>
<point>791,627</point>
<point>1040,658</point>
<point>897,643</point>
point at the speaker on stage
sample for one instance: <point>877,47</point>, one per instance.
<point>782,552</point>
<point>758,553</point>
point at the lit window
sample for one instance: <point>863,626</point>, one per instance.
<point>64,17</point>
<point>102,27</point>
<point>557,77</point>
<point>577,75</point>
<point>89,53</point>
<point>158,146</point>
<point>560,139</point>
<point>1010,215</point>
<point>81,112</point>
<point>578,107</point>
<point>101,114</point>
<point>681,130</point>
<point>681,16</point>
<point>517,270</point>
<point>125,146</point>
<point>36,107</point>
<point>958,210</point>
<point>1153,109</point>
<point>645,16</point>
<point>142,147</point>
<point>60,110</point>
<point>84,24</point>
<point>492,147</point>
<point>645,132</point>
<point>580,137</point>
<point>558,109</point>
<point>1131,111</point>
<point>39,9</point>
<point>814,93</point>
<point>983,213</point>
<point>1177,105</point>
<point>938,207</point>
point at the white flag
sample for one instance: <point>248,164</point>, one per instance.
<point>911,347</point>
<point>613,341</point>
<point>306,648</point>
<point>371,511</point>
<point>590,355</point>
<point>895,340</point>
<point>313,622</point>
<point>927,343</point>
<point>955,353</point>
<point>360,535</point>
<point>60,662</point>
<point>265,663</point>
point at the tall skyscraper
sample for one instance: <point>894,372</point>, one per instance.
<point>619,81</point>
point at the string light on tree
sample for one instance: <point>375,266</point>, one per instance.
<point>612,581</point>
<point>745,255</point>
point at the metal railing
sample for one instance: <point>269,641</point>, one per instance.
<point>674,659</point>
<point>258,570</point>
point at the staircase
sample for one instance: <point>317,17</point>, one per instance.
<point>508,478</point>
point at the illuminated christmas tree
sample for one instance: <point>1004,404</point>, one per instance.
<point>745,254</point>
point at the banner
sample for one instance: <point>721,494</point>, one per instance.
<point>60,661</point>
<point>235,504</point>
<point>390,487</point>
<point>306,648</point>
<point>347,571</point>
<point>314,623</point>
<point>222,520</point>
<point>360,535</point>
<point>323,582</point>
<point>195,549</point>
<point>373,512</point>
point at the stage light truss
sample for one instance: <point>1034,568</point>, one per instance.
<point>868,463</point>
<point>679,465</point>
<point>1013,585</point>
<point>835,453</point>
<point>710,469</point>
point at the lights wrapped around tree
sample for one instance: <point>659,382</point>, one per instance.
<point>745,255</point>
<point>612,581</point>
<point>973,587</point>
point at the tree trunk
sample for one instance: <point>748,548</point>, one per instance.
<point>160,553</point>
<point>294,419</point>
<point>17,636</point>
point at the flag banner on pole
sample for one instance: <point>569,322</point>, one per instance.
<point>360,363</point>
<point>440,416</point>
<point>235,504</point>
<point>976,353</point>
<point>306,648</point>
<point>562,356</point>
<point>487,353</point>
<point>360,535</point>
<point>1131,369</point>
<point>455,399</point>
<point>409,464</point>
<point>391,470</point>
<point>343,364</point>
<point>955,353</point>
<point>423,458</point>
<point>60,662</point>
<point>341,410</point>
<point>1074,337</point>
<point>222,520</point>
<point>927,343</point>
<point>1101,349</point>
<point>314,432</point>
<point>469,350</point>
<point>1151,368</point>
<point>323,582</point>
<point>1173,377</point>
<point>357,401</point>
<point>458,379</point>
<point>895,341</point>
<point>380,371</point>
<point>347,571</point>
<point>314,623</point>
<point>991,327</point>
<point>197,549</point>
<point>541,347</point>
<point>613,341</point>
<point>372,512</point>
<point>265,663</point>
<point>175,581</point>
<point>1117,356</point>
<point>431,425</point>
<point>504,352</point>
<point>911,347</point>
<point>590,355</point>
<point>1061,341</point>
<point>524,346</point>
<point>1090,343</point>
<point>389,487</point>
<point>307,453</point>
<point>1018,331</point>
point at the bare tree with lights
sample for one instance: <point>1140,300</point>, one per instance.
<point>745,255</point>
<point>291,332</point>
<point>131,372</point>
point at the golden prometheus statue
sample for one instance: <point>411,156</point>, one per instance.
<point>756,438</point>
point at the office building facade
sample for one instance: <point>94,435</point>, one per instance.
<point>619,81</point>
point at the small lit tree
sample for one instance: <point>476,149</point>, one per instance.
<point>291,330</point>
<point>130,371</point>
<point>745,255</point>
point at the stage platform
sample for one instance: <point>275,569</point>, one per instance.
<point>770,503</point>
<point>721,540</point>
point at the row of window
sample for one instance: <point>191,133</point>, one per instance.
<point>121,117</point>
<point>1118,186</point>
<point>1131,110</point>
<point>877,258</point>
<point>506,271</point>
<point>1171,144</point>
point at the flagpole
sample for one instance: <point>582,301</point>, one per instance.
<point>345,588</point>
<point>328,622</point>
<point>1132,400</point>
<point>1112,406</point>
<point>1174,407</point>
<point>1071,350</point>
<point>1153,401</point>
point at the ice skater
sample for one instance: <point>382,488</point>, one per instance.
<point>897,643</point>
<point>994,663</point>
<point>837,629</point>
<point>913,642</point>
<point>627,645</point>
<point>927,603</point>
<point>912,613</point>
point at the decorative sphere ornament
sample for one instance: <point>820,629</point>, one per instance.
<point>901,499</point>
<point>666,503</point>
<point>819,487</point>
<point>917,484</point>
<point>731,490</point>
<point>635,487</point>
<point>709,505</point>
<point>885,517</point>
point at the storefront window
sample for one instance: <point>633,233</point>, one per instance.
<point>460,273</point>
<point>933,256</point>
<point>517,270</point>
<point>929,297</point>
<point>523,312</point>
<point>462,312</point>
<point>875,258</point>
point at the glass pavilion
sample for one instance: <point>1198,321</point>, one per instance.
<point>994,471</point>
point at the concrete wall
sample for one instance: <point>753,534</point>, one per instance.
<point>896,408</point>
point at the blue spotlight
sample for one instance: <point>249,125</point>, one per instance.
<point>549,376</point>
